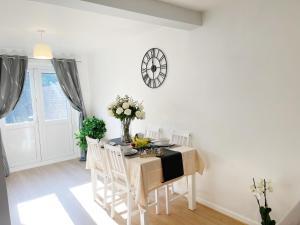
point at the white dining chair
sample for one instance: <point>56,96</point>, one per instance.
<point>121,181</point>
<point>100,170</point>
<point>182,138</point>
<point>153,132</point>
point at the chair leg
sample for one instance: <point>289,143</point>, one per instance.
<point>157,206</point>
<point>167,199</point>
<point>129,208</point>
<point>187,183</point>
<point>144,215</point>
<point>94,183</point>
<point>112,212</point>
<point>172,189</point>
<point>105,192</point>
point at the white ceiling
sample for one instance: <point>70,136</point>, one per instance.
<point>67,30</point>
<point>70,30</point>
<point>200,5</point>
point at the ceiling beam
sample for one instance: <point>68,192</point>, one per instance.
<point>150,11</point>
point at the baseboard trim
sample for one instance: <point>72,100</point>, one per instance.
<point>43,163</point>
<point>227,212</point>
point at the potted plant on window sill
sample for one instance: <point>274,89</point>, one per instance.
<point>93,128</point>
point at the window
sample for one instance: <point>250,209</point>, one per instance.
<point>23,111</point>
<point>55,102</point>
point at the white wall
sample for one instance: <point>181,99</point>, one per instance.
<point>234,83</point>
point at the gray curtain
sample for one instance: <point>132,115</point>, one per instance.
<point>12,76</point>
<point>67,74</point>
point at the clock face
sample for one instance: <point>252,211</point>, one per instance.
<point>154,68</point>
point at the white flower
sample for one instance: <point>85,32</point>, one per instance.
<point>125,105</point>
<point>257,195</point>
<point>131,103</point>
<point>112,105</point>
<point>110,112</point>
<point>270,189</point>
<point>252,188</point>
<point>138,114</point>
<point>127,112</point>
<point>269,186</point>
<point>142,115</point>
<point>119,110</point>
<point>140,106</point>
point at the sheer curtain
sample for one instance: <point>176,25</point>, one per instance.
<point>12,77</point>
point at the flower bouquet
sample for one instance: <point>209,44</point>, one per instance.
<point>126,109</point>
<point>260,191</point>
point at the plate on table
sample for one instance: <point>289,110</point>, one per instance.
<point>161,145</point>
<point>131,152</point>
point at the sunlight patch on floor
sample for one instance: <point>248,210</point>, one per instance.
<point>46,210</point>
<point>83,194</point>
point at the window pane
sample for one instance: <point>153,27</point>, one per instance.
<point>55,102</point>
<point>23,111</point>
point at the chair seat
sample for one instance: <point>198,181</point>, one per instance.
<point>99,166</point>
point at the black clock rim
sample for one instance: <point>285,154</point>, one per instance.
<point>166,68</point>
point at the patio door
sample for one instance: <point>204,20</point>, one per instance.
<point>39,130</point>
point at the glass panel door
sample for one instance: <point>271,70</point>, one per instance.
<point>20,128</point>
<point>54,116</point>
<point>39,129</point>
<point>55,101</point>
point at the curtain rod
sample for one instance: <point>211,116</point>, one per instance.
<point>78,61</point>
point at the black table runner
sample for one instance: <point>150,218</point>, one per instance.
<point>172,165</point>
<point>171,162</point>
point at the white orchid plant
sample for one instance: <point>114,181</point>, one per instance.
<point>124,108</point>
<point>259,190</point>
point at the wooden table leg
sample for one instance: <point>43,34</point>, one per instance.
<point>192,192</point>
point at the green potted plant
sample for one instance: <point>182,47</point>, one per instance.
<point>93,128</point>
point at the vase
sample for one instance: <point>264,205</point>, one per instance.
<point>265,216</point>
<point>83,155</point>
<point>125,130</point>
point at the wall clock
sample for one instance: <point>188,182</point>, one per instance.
<point>154,68</point>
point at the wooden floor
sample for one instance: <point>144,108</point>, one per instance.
<point>61,194</point>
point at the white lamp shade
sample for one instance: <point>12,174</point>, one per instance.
<point>42,51</point>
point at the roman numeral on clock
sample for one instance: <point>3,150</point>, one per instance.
<point>163,66</point>
<point>162,58</point>
<point>162,75</point>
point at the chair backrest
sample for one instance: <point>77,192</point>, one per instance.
<point>153,132</point>
<point>98,153</point>
<point>117,164</point>
<point>180,138</point>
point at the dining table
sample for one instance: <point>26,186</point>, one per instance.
<point>146,175</point>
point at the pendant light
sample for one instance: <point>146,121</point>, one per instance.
<point>42,50</point>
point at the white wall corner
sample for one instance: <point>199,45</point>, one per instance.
<point>292,217</point>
